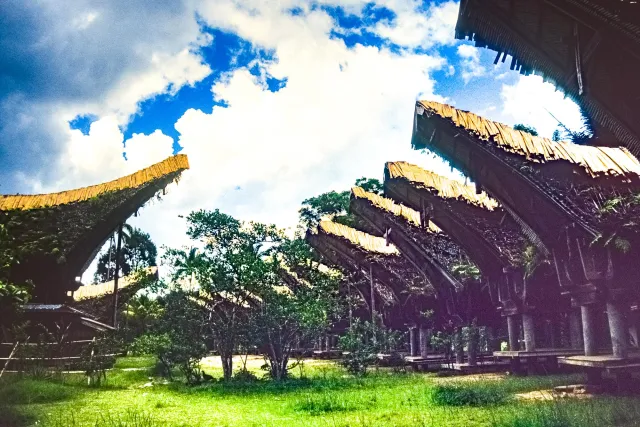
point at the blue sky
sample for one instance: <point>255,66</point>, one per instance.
<point>273,102</point>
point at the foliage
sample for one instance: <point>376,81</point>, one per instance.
<point>98,357</point>
<point>363,341</point>
<point>179,340</point>
<point>467,395</point>
<point>617,215</point>
<point>556,137</point>
<point>12,295</point>
<point>334,205</point>
<point>531,259</point>
<point>466,270</point>
<point>525,128</point>
<point>258,287</point>
<point>137,252</point>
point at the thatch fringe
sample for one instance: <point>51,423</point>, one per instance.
<point>366,241</point>
<point>410,215</point>
<point>106,288</point>
<point>170,165</point>
<point>446,188</point>
<point>596,161</point>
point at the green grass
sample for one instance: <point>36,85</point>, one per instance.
<point>326,397</point>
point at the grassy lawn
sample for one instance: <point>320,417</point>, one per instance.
<point>325,397</point>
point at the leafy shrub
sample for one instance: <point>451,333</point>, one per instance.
<point>246,376</point>
<point>362,343</point>
<point>467,395</point>
<point>324,403</point>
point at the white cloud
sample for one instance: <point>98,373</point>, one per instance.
<point>532,102</point>
<point>416,28</point>
<point>470,62</point>
<point>342,114</point>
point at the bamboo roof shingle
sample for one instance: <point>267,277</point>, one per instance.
<point>595,161</point>
<point>24,202</point>
<point>446,188</point>
<point>106,288</point>
<point>411,215</point>
<point>366,241</point>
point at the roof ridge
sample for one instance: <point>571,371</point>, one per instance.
<point>447,188</point>
<point>595,160</point>
<point>171,164</point>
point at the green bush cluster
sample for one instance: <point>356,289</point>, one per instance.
<point>468,395</point>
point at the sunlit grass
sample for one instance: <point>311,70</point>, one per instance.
<point>324,396</point>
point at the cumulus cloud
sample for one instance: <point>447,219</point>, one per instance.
<point>84,57</point>
<point>417,28</point>
<point>470,62</point>
<point>532,102</point>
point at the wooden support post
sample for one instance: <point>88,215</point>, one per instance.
<point>115,278</point>
<point>513,330</point>
<point>472,345</point>
<point>618,328</point>
<point>373,295</point>
<point>424,342</point>
<point>413,348</point>
<point>575,330</point>
<point>588,329</point>
<point>528,326</point>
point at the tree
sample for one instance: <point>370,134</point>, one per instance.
<point>334,205</point>
<point>257,286</point>
<point>185,264</point>
<point>179,338</point>
<point>556,136</point>
<point>525,128</point>
<point>137,251</point>
<point>232,274</point>
<point>370,184</point>
<point>299,310</point>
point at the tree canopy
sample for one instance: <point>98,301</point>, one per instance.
<point>334,205</point>
<point>137,251</point>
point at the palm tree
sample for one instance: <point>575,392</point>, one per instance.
<point>186,264</point>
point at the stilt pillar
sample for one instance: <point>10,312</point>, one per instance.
<point>512,328</point>
<point>633,328</point>
<point>413,348</point>
<point>588,329</point>
<point>618,328</point>
<point>327,340</point>
<point>424,341</point>
<point>459,346</point>
<point>575,330</point>
<point>472,345</point>
<point>528,326</point>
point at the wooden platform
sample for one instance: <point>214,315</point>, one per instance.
<point>484,367</point>
<point>542,352</point>
<point>607,362</point>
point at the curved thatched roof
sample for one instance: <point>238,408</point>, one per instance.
<point>444,187</point>
<point>589,49</point>
<point>595,161</point>
<point>55,236</point>
<point>135,180</point>
<point>410,215</point>
<point>106,288</point>
<point>366,241</point>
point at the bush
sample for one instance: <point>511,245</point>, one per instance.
<point>179,339</point>
<point>468,395</point>
<point>362,343</point>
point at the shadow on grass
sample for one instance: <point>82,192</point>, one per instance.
<point>333,382</point>
<point>597,412</point>
<point>27,391</point>
<point>15,417</point>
